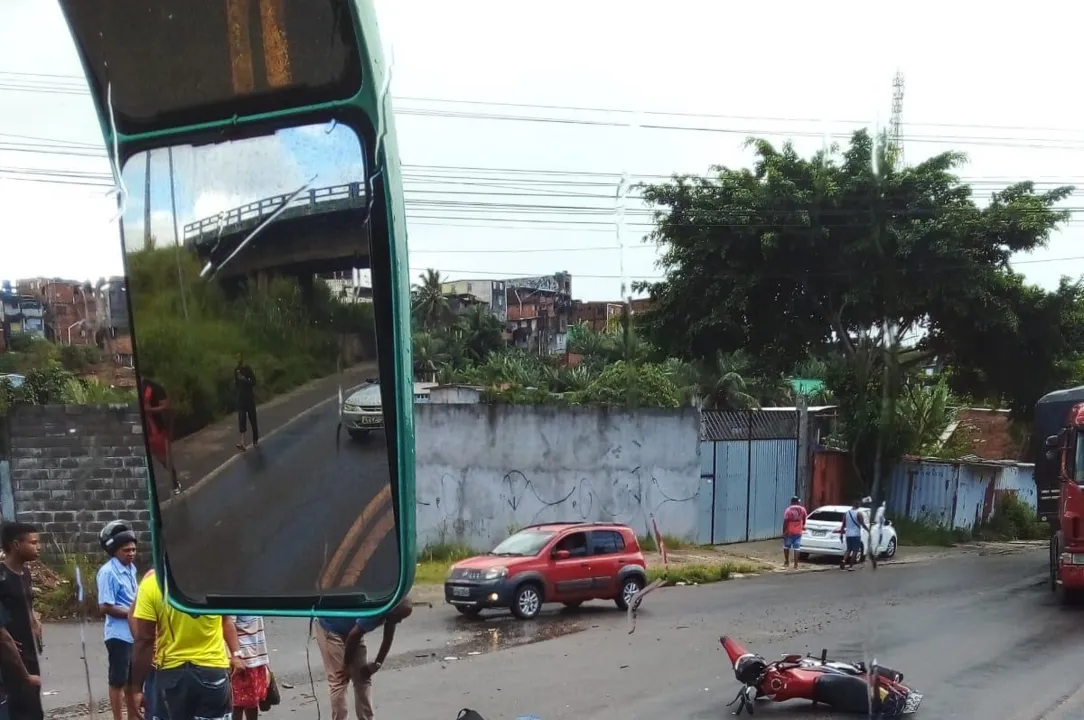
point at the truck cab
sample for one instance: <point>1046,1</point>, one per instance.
<point>1059,480</point>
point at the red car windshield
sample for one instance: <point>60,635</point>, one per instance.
<point>524,544</point>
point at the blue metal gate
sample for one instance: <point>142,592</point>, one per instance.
<point>749,461</point>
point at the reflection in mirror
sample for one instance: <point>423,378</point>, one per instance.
<point>254,330</point>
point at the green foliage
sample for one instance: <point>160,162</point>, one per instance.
<point>701,573</point>
<point>189,337</point>
<point>53,385</point>
<point>842,256</point>
<point>61,602</point>
<point>79,358</point>
<point>1013,520</point>
<point>27,352</point>
<point>928,533</point>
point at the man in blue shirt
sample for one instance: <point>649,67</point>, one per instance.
<point>117,583</point>
<point>346,661</point>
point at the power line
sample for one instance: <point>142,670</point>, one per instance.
<point>1014,142</point>
<point>79,83</point>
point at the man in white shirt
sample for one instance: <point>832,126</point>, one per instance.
<point>853,524</point>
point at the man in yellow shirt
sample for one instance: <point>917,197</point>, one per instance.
<point>191,656</point>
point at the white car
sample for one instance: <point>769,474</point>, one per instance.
<point>362,412</point>
<point>823,534</point>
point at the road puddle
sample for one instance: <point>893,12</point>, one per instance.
<point>471,638</point>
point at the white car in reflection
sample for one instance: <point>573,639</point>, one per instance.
<point>823,534</point>
<point>15,380</point>
<point>362,412</point>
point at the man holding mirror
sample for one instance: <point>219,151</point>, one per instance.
<point>345,657</point>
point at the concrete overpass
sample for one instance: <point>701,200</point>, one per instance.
<point>320,231</point>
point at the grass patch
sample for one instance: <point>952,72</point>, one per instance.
<point>648,544</point>
<point>1013,521</point>
<point>927,533</point>
<point>434,561</point>
<point>58,595</point>
<point>700,574</point>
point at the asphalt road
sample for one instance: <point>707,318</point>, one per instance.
<point>980,637</point>
<point>303,507</point>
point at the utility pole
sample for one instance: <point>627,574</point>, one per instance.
<point>176,233</point>
<point>893,158</point>
<point>802,491</point>
<point>147,203</point>
<point>895,128</point>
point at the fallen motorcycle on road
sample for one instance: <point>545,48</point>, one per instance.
<point>875,691</point>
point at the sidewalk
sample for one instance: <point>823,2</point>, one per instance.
<point>201,453</point>
<point>293,655</point>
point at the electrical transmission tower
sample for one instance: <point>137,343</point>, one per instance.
<point>895,129</point>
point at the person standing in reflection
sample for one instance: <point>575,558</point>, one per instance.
<point>191,663</point>
<point>245,380</point>
<point>20,544</point>
<point>156,407</point>
<point>251,683</point>
<point>346,660</point>
<point>116,593</point>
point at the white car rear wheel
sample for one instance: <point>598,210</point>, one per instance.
<point>890,551</point>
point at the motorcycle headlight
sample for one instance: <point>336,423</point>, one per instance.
<point>496,573</point>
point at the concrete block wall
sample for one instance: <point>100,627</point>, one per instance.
<point>75,468</point>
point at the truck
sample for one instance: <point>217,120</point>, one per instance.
<point>1058,443</point>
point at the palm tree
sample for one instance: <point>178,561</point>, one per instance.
<point>482,331</point>
<point>430,354</point>
<point>722,386</point>
<point>429,306</point>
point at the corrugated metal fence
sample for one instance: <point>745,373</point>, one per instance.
<point>956,494</point>
<point>748,473</point>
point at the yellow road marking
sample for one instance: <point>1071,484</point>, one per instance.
<point>381,499</point>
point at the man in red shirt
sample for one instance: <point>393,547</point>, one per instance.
<point>155,407</point>
<point>793,527</point>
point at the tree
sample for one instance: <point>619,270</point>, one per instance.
<point>851,252</point>
<point>482,332</point>
<point>428,304</point>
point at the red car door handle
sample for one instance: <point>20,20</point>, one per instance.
<point>585,564</point>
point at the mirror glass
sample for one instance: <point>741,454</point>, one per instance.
<point>253,318</point>
<point>1052,441</point>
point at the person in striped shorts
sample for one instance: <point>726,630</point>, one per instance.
<point>251,682</point>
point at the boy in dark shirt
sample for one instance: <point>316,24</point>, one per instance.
<point>245,380</point>
<point>20,544</point>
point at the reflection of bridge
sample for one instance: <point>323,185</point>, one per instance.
<point>319,231</point>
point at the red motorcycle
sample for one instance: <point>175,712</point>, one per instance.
<point>877,691</point>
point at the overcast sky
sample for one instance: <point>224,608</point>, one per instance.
<point>996,85</point>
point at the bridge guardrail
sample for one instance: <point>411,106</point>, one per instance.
<point>266,206</point>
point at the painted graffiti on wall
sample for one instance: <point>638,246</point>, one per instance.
<point>559,469</point>
<point>632,501</point>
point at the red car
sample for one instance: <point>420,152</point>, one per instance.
<point>568,563</point>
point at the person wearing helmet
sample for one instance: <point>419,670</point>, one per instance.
<point>116,595</point>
